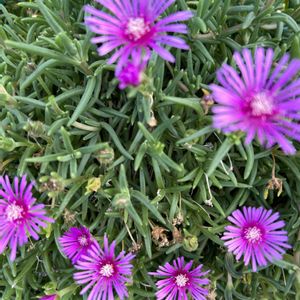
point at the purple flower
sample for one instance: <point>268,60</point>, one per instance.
<point>179,280</point>
<point>259,101</point>
<point>102,271</point>
<point>132,73</point>
<point>133,25</point>
<point>19,217</point>
<point>257,234</point>
<point>49,297</point>
<point>76,242</point>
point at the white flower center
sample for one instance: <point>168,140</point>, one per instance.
<point>107,270</point>
<point>14,212</point>
<point>137,28</point>
<point>253,234</point>
<point>261,104</point>
<point>181,280</point>
<point>83,241</point>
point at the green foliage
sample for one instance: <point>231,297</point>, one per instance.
<point>64,122</point>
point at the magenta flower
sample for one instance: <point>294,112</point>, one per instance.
<point>76,242</point>
<point>179,281</point>
<point>130,75</point>
<point>49,297</point>
<point>102,271</point>
<point>132,72</point>
<point>259,101</point>
<point>257,234</point>
<point>133,25</point>
<point>19,217</point>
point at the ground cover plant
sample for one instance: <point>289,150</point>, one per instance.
<point>149,149</point>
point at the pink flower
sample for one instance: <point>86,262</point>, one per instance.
<point>256,234</point>
<point>134,25</point>
<point>132,73</point>
<point>76,242</point>
<point>19,217</point>
<point>259,101</point>
<point>180,280</point>
<point>104,272</point>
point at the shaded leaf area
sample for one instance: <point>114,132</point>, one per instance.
<point>166,177</point>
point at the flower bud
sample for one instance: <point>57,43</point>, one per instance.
<point>53,185</point>
<point>121,200</point>
<point>106,156</point>
<point>190,241</point>
<point>7,144</point>
<point>35,129</point>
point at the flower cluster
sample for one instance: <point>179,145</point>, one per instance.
<point>255,233</point>
<point>257,97</point>
<point>100,269</point>
<point>133,29</point>
<point>19,216</point>
<point>259,101</point>
<point>104,272</point>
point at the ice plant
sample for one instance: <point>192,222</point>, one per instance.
<point>19,217</point>
<point>256,234</point>
<point>104,272</point>
<point>131,73</point>
<point>180,280</point>
<point>259,100</point>
<point>49,297</point>
<point>76,242</point>
<point>134,25</point>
